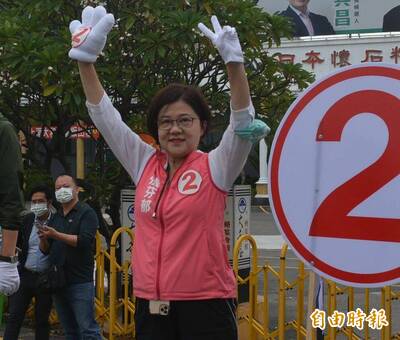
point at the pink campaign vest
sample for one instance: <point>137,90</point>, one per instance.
<point>180,251</point>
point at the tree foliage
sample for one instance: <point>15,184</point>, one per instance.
<point>154,42</point>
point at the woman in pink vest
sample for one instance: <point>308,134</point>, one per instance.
<point>184,286</point>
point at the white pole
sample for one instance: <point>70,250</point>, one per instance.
<point>262,183</point>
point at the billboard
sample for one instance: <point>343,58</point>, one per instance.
<point>323,56</point>
<point>348,16</point>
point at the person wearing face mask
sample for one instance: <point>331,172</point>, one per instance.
<point>184,286</point>
<point>70,241</point>
<point>31,263</point>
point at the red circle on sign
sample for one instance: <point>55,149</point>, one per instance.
<point>351,73</point>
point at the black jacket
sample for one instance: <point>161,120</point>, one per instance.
<point>78,262</point>
<point>391,20</point>
<point>11,200</point>
<point>320,23</point>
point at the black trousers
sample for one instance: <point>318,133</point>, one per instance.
<point>19,303</point>
<point>188,320</point>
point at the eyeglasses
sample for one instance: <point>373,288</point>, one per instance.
<point>182,122</point>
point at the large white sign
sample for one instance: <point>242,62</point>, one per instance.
<point>322,55</point>
<point>346,16</point>
<point>334,175</point>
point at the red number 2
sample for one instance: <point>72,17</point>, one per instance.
<point>331,218</point>
<point>190,179</point>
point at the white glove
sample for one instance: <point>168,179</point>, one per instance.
<point>9,278</point>
<point>225,40</point>
<point>90,36</point>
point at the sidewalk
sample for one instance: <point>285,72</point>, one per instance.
<point>28,332</point>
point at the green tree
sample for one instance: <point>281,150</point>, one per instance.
<point>155,42</point>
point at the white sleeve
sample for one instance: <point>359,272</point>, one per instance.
<point>126,145</point>
<point>228,159</point>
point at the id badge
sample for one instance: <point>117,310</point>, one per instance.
<point>159,307</point>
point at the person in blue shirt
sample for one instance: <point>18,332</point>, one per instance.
<point>32,262</point>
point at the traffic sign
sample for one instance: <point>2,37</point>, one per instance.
<point>334,181</point>
<point>131,213</point>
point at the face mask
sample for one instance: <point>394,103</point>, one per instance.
<point>256,131</point>
<point>64,195</point>
<point>39,209</point>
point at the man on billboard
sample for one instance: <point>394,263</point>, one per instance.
<point>391,20</point>
<point>305,22</point>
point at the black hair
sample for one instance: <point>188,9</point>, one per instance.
<point>42,188</point>
<point>172,93</point>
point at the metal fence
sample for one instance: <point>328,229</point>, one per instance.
<point>257,316</point>
<point>115,302</point>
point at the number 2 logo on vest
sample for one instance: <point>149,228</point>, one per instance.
<point>189,183</point>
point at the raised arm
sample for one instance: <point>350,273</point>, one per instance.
<point>92,87</point>
<point>240,91</point>
<point>226,40</point>
<point>88,40</point>
<point>228,159</point>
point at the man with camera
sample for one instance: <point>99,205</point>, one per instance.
<point>70,242</point>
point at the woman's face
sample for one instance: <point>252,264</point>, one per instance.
<point>179,129</point>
